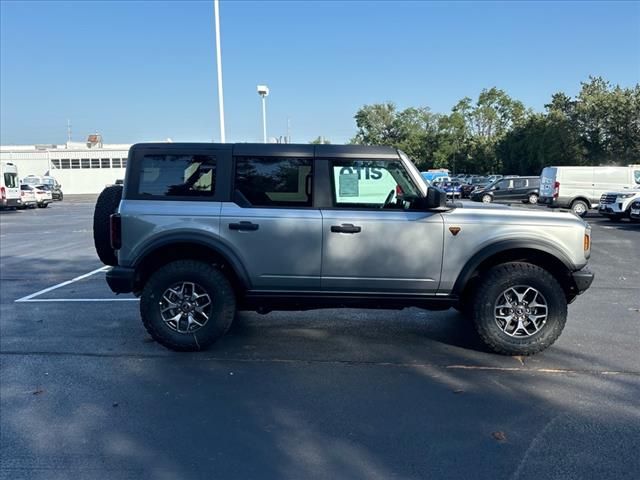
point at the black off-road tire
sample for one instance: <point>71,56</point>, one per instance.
<point>497,280</point>
<point>206,276</point>
<point>106,205</point>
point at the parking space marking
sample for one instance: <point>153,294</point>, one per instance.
<point>31,298</point>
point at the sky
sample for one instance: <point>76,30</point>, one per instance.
<point>146,71</point>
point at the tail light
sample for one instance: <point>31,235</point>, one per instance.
<point>3,193</point>
<point>399,191</point>
<point>556,189</point>
<point>115,231</point>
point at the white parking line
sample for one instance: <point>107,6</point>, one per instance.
<point>31,298</point>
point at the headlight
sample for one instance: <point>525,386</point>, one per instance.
<point>626,195</point>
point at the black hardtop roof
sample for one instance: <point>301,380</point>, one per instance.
<point>289,149</point>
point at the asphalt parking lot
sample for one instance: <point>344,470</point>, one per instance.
<point>330,394</point>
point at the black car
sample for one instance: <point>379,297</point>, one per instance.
<point>523,189</point>
<point>472,184</point>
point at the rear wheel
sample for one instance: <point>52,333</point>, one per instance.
<point>533,199</point>
<point>579,207</point>
<point>519,309</point>
<point>106,205</point>
<point>187,305</point>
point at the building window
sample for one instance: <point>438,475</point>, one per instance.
<point>105,163</point>
<point>95,163</point>
<point>65,163</point>
<point>115,163</point>
<point>84,163</point>
<point>55,163</point>
<point>124,163</point>
<point>75,163</point>
<point>274,181</point>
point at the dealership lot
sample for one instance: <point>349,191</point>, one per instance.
<point>323,394</point>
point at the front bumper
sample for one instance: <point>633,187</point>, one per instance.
<point>582,280</point>
<point>120,279</point>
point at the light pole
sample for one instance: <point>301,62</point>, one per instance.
<point>263,91</point>
<point>216,14</point>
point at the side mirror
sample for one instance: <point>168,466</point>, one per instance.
<point>435,198</point>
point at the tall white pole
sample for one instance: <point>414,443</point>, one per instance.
<point>264,118</point>
<point>216,10</point>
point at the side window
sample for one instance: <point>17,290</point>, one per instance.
<point>502,185</point>
<point>372,184</point>
<point>274,181</point>
<point>177,175</point>
<point>520,183</point>
<point>636,176</point>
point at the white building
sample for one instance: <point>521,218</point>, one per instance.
<point>80,167</point>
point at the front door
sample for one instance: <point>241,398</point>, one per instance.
<point>373,241</point>
<point>271,224</point>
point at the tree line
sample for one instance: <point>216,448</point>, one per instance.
<point>498,134</point>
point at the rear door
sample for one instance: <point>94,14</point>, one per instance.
<point>271,223</point>
<point>11,182</point>
<point>372,240</point>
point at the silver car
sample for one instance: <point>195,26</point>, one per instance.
<point>200,231</point>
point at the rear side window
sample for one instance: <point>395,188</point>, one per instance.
<point>177,176</point>
<point>274,181</point>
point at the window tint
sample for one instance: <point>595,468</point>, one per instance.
<point>95,163</point>
<point>177,175</point>
<point>274,181</point>
<point>75,163</point>
<point>11,180</point>
<point>369,183</point>
<point>636,176</point>
<point>520,183</point>
<point>84,162</point>
<point>105,163</point>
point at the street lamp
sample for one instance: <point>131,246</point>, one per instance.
<point>263,91</point>
<point>216,17</point>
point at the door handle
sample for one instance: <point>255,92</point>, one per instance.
<point>244,226</point>
<point>346,228</point>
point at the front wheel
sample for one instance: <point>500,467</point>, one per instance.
<point>519,309</point>
<point>486,199</point>
<point>187,305</point>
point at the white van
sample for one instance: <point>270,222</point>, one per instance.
<point>9,186</point>
<point>580,188</point>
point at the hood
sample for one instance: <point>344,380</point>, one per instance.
<point>493,213</point>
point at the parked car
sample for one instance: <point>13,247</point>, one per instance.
<point>634,212</point>
<point>617,205</point>
<point>472,184</point>
<point>493,178</point>
<point>581,188</point>
<point>43,195</point>
<point>452,189</point>
<point>324,226</point>
<point>28,196</point>
<point>51,182</point>
<point>9,186</point>
<point>518,189</point>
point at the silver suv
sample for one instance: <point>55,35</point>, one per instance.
<point>200,231</point>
